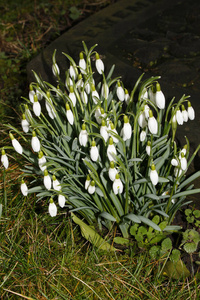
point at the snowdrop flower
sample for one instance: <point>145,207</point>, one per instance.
<point>82,63</point>
<point>146,111</point>
<point>159,97</point>
<point>16,145</point>
<point>91,188</point>
<point>174,162</point>
<point>31,93</point>
<point>69,114</point>
<point>191,113</point>
<point>126,96</point>
<point>99,114</point>
<point>47,180</point>
<point>24,188</point>
<point>153,175</point>
<point>39,94</point>
<point>35,143</point>
<point>95,94</point>
<point>61,200</point>
<point>41,161</point>
<point>148,148</point>
<point>99,64</point>
<point>141,120</point>
<point>55,69</point>
<point>117,185</point>
<point>87,182</point>
<point>25,124</point>
<point>69,82</point>
<point>179,117</point>
<point>112,172</point>
<point>36,106</point>
<point>52,208</point>
<point>111,150</point>
<point>49,106</point>
<point>143,135</point>
<point>94,152</point>
<point>152,94</point>
<point>84,97</point>
<point>178,172</point>
<point>183,150</point>
<point>105,90</point>
<point>111,127</point>
<point>56,183</point>
<point>79,83</point>
<point>120,92</point>
<point>152,123</point>
<point>184,113</point>
<point>28,113</point>
<point>104,131</point>
<point>72,95</point>
<point>144,94</point>
<point>83,136</point>
<point>183,162</point>
<point>4,159</point>
<point>127,129</point>
<point>73,72</point>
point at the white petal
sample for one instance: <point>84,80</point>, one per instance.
<point>24,189</point>
<point>160,99</point>
<point>120,93</point>
<point>142,135</point>
<point>99,66</point>
<point>83,138</point>
<point>117,186</point>
<point>42,161</point>
<point>154,177</point>
<point>73,98</point>
<point>47,182</point>
<point>72,72</point>
<point>179,117</point>
<point>17,146</point>
<point>94,153</point>
<point>148,150</point>
<point>95,95</point>
<point>105,90</point>
<point>191,113</point>
<point>174,162</point>
<point>55,69</point>
<point>141,120</point>
<point>82,65</point>
<point>104,132</point>
<point>127,131</point>
<point>56,185</point>
<point>52,209</point>
<point>153,125</point>
<point>70,116</point>
<point>185,115</point>
<point>4,160</point>
<point>91,189</point>
<point>25,125</point>
<point>35,144</point>
<point>183,163</point>
<point>84,97</point>
<point>31,96</point>
<point>87,183</point>
<point>112,173</point>
<point>61,200</point>
<point>111,152</point>
<point>37,108</point>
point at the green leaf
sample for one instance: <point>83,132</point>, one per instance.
<point>175,255</point>
<point>0,210</point>
<point>154,251</point>
<point>186,193</point>
<point>172,228</point>
<point>149,222</point>
<point>92,236</point>
<point>121,241</point>
<point>166,244</point>
<point>176,270</point>
<point>107,216</point>
<point>190,247</point>
<point>133,218</point>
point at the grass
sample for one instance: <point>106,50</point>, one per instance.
<point>42,257</point>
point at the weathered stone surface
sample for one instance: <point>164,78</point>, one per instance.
<point>155,37</point>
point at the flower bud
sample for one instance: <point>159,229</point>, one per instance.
<point>36,106</point>
<point>83,136</point>
<point>69,114</point>
<point>56,184</point>
<point>16,145</point>
<point>52,208</point>
<point>153,175</point>
<point>25,124</point>
<point>61,200</point>
<point>191,113</point>
<point>47,180</point>
<point>117,185</point>
<point>120,92</point>
<point>111,150</point>
<point>94,152</point>
<point>99,64</point>
<point>24,188</point>
<point>112,172</point>
<point>91,188</point>
<point>4,159</point>
<point>35,143</point>
<point>152,123</point>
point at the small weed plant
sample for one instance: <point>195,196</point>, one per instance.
<point>103,153</point>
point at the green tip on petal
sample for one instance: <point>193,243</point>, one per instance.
<point>126,120</point>
<point>153,167</point>
<point>83,126</point>
<point>158,89</point>
<point>35,98</point>
<point>48,94</point>
<point>112,165</point>
<point>54,177</point>
<point>97,56</point>
<point>22,181</point>
<point>92,183</point>
<point>45,172</point>
<point>93,144</point>
<point>185,147</point>
<point>80,76</point>
<point>117,176</point>
<point>71,89</point>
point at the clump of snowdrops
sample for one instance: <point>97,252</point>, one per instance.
<point>100,151</point>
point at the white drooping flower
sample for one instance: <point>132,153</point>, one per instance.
<point>69,82</point>
<point>16,145</point>
<point>95,94</point>
<point>25,124</point>
<point>69,114</point>
<point>79,83</point>
<point>99,114</point>
<point>179,117</point>
<point>82,63</point>
<point>28,113</point>
<point>84,97</point>
<point>113,132</point>
<point>127,129</point>
<point>127,96</point>
<point>4,159</point>
<point>83,136</point>
<point>184,113</point>
<point>148,148</point>
<point>94,152</point>
<point>159,97</point>
<point>112,172</point>
<point>183,150</point>
<point>153,175</point>
<point>191,113</point>
<point>52,208</point>
<point>41,161</point>
<point>73,72</point>
<point>87,182</point>
<point>104,131</point>
<point>142,120</point>
<point>47,180</point>
<point>55,69</point>
<point>174,162</point>
<point>99,64</point>
<point>61,200</point>
<point>117,185</point>
<point>31,93</point>
<point>143,135</point>
<point>183,162</point>
<point>120,92</point>
<point>105,90</point>
<point>144,94</point>
<point>72,95</point>
<point>35,143</point>
<point>151,93</point>
<point>91,188</point>
<point>49,106</point>
<point>146,111</point>
<point>36,106</point>
<point>178,172</point>
<point>111,150</point>
<point>24,188</point>
<point>152,123</point>
<point>56,183</point>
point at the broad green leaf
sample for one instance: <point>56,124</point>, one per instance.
<point>121,240</point>
<point>186,193</point>
<point>92,236</point>
<point>133,218</point>
<point>107,216</point>
<point>149,222</point>
<point>176,270</point>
